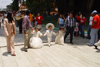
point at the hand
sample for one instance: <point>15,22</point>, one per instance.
<point>13,32</point>
<point>31,28</point>
<point>42,35</point>
<point>7,36</point>
<point>56,34</point>
<point>24,32</point>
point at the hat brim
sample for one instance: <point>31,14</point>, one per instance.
<point>50,24</point>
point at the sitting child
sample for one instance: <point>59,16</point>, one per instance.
<point>49,32</point>
<point>60,38</point>
<point>35,41</point>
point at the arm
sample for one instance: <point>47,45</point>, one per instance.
<point>54,33</point>
<point>42,18</point>
<point>14,30</point>
<point>24,24</point>
<point>28,20</point>
<point>95,21</point>
<point>57,22</point>
<point>57,33</point>
<point>0,21</point>
<point>33,32</point>
<point>63,31</point>
<point>40,34</point>
<point>66,21</point>
<point>93,24</point>
<point>5,28</point>
<point>84,20</point>
<point>45,33</point>
<point>64,18</point>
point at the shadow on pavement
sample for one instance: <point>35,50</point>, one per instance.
<point>6,54</point>
<point>98,51</point>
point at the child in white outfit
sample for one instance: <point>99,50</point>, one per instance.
<point>35,41</point>
<point>60,38</point>
<point>49,32</point>
<point>76,29</point>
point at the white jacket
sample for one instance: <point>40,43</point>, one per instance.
<point>49,33</point>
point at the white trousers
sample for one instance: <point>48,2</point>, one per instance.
<point>10,44</point>
<point>49,40</point>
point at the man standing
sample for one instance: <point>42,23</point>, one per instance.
<point>26,25</point>
<point>20,22</point>
<point>89,27</point>
<point>69,25</point>
<point>94,28</point>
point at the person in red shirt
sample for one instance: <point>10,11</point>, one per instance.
<point>82,25</point>
<point>39,19</point>
<point>94,28</point>
<point>78,18</point>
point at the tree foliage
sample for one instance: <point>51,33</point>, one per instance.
<point>64,6</point>
<point>84,6</point>
<point>15,6</point>
<point>38,6</point>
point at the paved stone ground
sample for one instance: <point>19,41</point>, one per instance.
<point>76,55</point>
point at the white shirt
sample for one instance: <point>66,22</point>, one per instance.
<point>49,33</point>
<point>77,24</point>
<point>91,19</point>
<point>36,34</point>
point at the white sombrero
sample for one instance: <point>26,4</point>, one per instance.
<point>50,24</point>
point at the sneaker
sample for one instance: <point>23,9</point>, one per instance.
<point>95,47</point>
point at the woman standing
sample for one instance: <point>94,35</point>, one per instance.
<point>82,25</point>
<point>9,32</point>
<point>39,19</point>
<point>60,22</point>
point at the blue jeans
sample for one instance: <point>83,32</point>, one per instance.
<point>61,25</point>
<point>94,36</point>
<point>88,31</point>
<point>82,30</point>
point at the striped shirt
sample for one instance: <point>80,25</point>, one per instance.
<point>70,22</point>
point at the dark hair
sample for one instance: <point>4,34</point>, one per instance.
<point>49,26</point>
<point>39,13</point>
<point>35,28</point>
<point>27,12</point>
<point>61,28</point>
<point>62,16</point>
<point>71,13</point>
<point>9,17</point>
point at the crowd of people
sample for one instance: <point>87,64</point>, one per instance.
<point>28,24</point>
<point>77,24</point>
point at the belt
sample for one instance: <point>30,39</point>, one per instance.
<point>70,26</point>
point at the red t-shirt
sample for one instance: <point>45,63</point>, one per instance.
<point>97,19</point>
<point>39,19</point>
<point>82,21</point>
<point>78,18</point>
